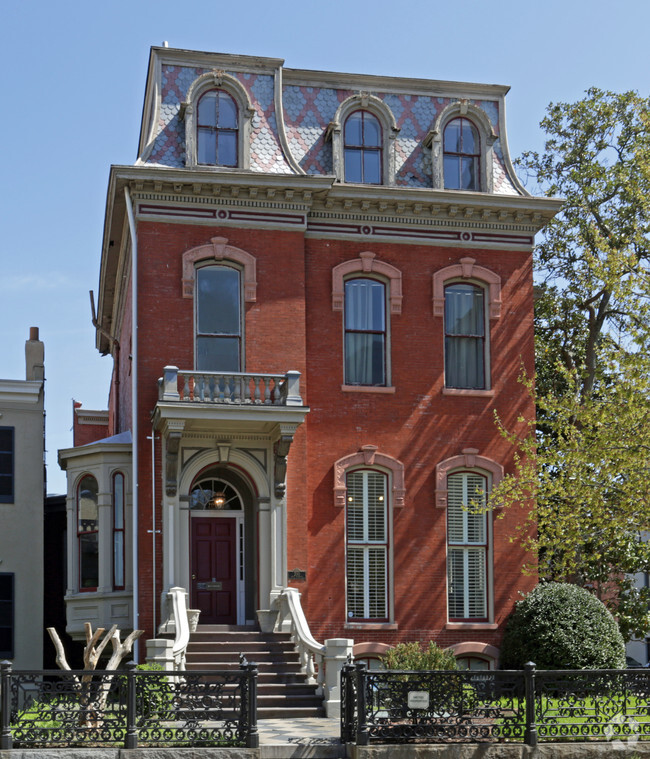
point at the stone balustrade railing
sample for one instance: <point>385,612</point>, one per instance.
<point>234,389</point>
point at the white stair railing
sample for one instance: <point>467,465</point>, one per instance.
<point>179,608</point>
<point>320,662</point>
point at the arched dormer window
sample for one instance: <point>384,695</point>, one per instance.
<point>217,129</point>
<point>363,136</point>
<point>461,147</point>
<point>218,115</point>
<point>461,143</point>
<point>362,148</point>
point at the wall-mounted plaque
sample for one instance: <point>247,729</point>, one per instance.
<point>297,574</point>
<point>418,699</point>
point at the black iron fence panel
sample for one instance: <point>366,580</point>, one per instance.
<point>439,706</point>
<point>129,707</point>
<point>507,706</point>
<point>606,705</point>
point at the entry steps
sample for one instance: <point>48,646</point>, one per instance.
<point>282,690</point>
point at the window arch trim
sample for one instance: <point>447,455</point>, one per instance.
<point>467,269</point>
<point>367,263</point>
<point>222,81</point>
<point>476,648</point>
<point>218,250</point>
<point>468,459</point>
<point>369,456</point>
<point>434,140</point>
<point>364,101</point>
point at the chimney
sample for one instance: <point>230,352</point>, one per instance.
<point>34,357</point>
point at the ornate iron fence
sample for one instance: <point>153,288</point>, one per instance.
<point>128,707</point>
<point>489,706</point>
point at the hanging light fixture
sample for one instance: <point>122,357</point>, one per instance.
<point>218,501</point>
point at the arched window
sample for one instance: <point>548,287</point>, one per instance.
<point>88,533</point>
<point>118,531</point>
<point>217,129</point>
<point>213,493</point>
<point>362,147</point>
<point>218,319</point>
<point>366,517</point>
<point>365,332</point>
<point>465,336</point>
<point>462,155</point>
<point>467,546</point>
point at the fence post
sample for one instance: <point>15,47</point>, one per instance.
<point>250,674</point>
<point>530,734</point>
<point>347,705</point>
<point>6,739</point>
<point>362,726</point>
<point>131,730</point>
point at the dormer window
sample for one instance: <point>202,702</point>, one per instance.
<point>462,154</point>
<point>218,115</point>
<point>363,148</point>
<point>217,129</point>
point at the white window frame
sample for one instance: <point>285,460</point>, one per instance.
<point>366,545</point>
<point>467,546</point>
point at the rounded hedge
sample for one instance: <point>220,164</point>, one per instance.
<point>562,626</point>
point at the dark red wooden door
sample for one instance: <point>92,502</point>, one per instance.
<point>214,569</point>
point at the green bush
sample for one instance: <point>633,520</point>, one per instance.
<point>414,655</point>
<point>562,626</point>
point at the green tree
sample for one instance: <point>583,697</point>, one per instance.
<point>586,465</point>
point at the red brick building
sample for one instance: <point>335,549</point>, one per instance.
<point>316,289</point>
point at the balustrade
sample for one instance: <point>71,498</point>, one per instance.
<point>235,388</point>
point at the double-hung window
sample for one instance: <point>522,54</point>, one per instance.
<point>367,545</point>
<point>88,533</point>
<point>465,336</point>
<point>7,614</point>
<point>462,155</point>
<point>217,129</point>
<point>118,531</point>
<point>218,319</point>
<point>365,332</point>
<point>467,546</point>
<point>362,148</point>
<point>6,464</point>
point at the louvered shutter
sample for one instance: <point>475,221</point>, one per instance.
<point>367,550</point>
<point>467,547</point>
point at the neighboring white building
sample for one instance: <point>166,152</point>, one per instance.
<point>22,486</point>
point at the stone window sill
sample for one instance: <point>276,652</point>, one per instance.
<point>371,626</point>
<point>471,626</point>
<point>366,389</point>
<point>468,391</point>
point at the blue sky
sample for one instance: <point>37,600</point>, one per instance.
<point>73,75</point>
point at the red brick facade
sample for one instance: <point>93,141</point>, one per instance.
<point>298,228</point>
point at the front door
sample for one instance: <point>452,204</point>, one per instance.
<point>214,569</point>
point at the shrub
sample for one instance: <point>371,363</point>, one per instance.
<point>414,655</point>
<point>562,626</point>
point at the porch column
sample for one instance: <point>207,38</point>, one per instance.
<point>265,553</point>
